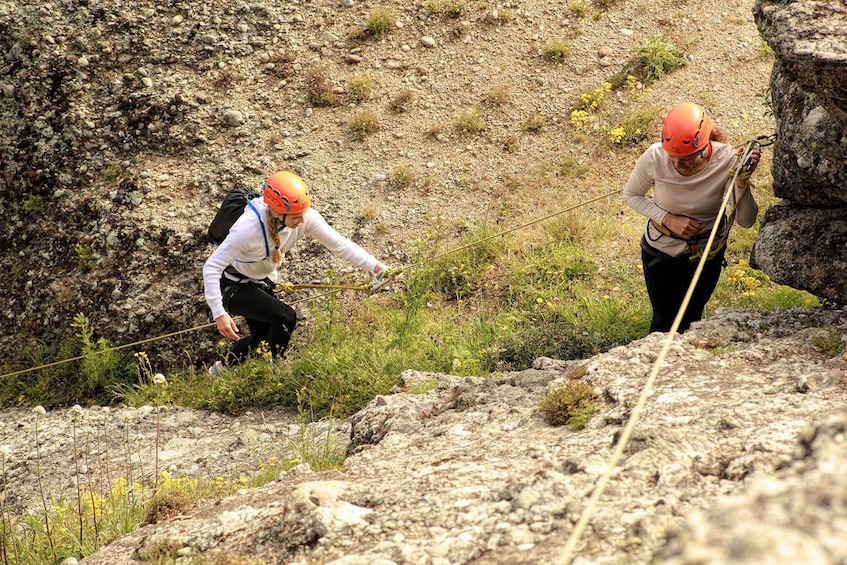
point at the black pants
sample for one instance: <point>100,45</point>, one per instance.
<point>269,319</point>
<point>667,281</point>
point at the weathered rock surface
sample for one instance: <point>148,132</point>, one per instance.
<point>741,445</point>
<point>808,88</point>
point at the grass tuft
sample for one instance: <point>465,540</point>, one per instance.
<point>363,124</point>
<point>470,121</point>
<point>572,405</point>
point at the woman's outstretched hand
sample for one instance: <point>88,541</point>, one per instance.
<point>227,327</point>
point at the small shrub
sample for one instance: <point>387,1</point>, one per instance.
<point>225,78</point>
<point>570,405</point>
<point>280,65</point>
<point>658,57</point>
<point>110,173</point>
<point>470,121</point>
<point>403,101</point>
<point>634,128</point>
<point>453,9</point>
<point>578,9</point>
<point>319,90</point>
<point>584,115</point>
<point>369,213</point>
<point>167,503</point>
<point>499,95</point>
<point>34,203</point>
<point>380,22</point>
<point>360,88</point>
<point>401,177</point>
<point>765,49</point>
<point>829,342</point>
<point>556,51</point>
<point>534,123</point>
<point>572,168</point>
<point>85,258</point>
<point>433,131</point>
<point>510,144</point>
<point>363,123</point>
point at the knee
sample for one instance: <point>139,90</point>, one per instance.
<point>286,317</point>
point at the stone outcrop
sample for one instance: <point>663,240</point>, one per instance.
<point>741,445</point>
<point>803,240</point>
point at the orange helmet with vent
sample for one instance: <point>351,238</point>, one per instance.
<point>286,193</point>
<point>686,130</point>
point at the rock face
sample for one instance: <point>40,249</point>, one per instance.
<point>803,241</point>
<point>738,457</point>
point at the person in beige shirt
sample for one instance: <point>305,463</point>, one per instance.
<point>688,172</point>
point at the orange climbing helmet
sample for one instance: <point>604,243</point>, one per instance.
<point>286,193</point>
<point>687,129</point>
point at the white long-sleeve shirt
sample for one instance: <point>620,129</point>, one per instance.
<point>244,249</point>
<point>698,196</point>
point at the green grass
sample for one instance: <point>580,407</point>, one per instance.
<point>379,22</point>
<point>486,301</point>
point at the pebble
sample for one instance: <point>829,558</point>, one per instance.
<point>427,41</point>
<point>232,118</point>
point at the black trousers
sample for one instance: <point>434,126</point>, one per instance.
<point>667,280</point>
<point>269,319</point>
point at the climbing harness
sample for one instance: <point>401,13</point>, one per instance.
<point>623,438</point>
<point>695,250</point>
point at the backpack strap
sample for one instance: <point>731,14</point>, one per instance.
<point>264,231</point>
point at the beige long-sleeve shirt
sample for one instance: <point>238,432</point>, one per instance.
<point>698,196</point>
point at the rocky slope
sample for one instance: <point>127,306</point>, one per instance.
<point>122,124</point>
<point>738,457</point>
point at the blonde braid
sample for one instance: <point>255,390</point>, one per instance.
<point>276,224</point>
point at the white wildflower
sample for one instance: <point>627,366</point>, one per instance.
<point>75,413</point>
<point>159,379</point>
<point>39,410</point>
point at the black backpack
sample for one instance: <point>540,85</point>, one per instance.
<point>234,204</point>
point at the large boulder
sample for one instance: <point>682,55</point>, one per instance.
<point>802,242</point>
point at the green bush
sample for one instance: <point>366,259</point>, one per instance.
<point>379,22</point>
<point>556,51</point>
<point>572,405</point>
<point>89,379</point>
<point>658,57</point>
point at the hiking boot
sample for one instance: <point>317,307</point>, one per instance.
<point>216,370</point>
